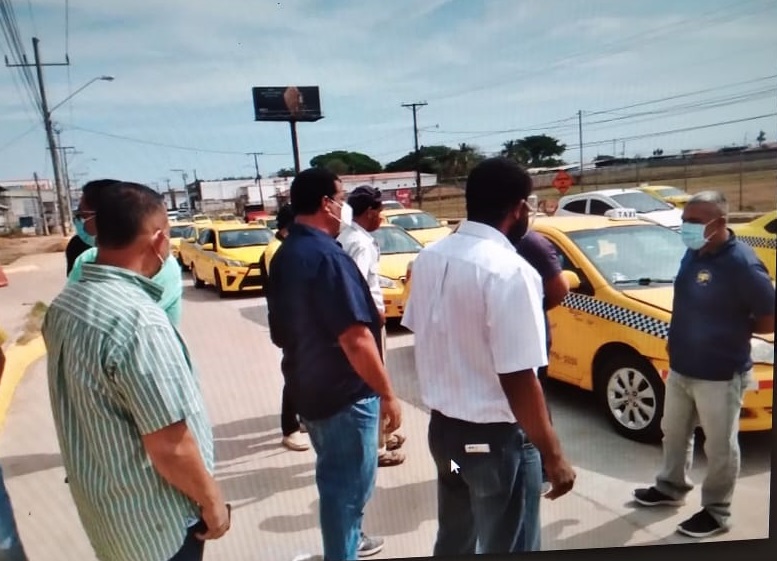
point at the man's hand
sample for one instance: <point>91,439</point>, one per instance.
<point>218,519</point>
<point>561,476</point>
<point>390,414</point>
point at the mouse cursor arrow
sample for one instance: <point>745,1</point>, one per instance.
<point>454,467</point>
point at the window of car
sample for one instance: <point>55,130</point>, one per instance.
<point>206,236</point>
<point>414,221</point>
<point>641,202</point>
<point>248,237</point>
<point>670,192</point>
<point>577,206</point>
<point>599,207</point>
<point>771,227</point>
<point>178,231</point>
<point>626,255</point>
<point>394,241</point>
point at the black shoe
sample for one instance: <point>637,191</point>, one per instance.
<point>653,497</point>
<point>369,546</point>
<point>701,525</point>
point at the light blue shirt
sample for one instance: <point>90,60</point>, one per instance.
<point>169,279</point>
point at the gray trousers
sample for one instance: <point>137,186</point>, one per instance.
<point>715,406</point>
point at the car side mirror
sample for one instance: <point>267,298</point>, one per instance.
<point>207,247</point>
<point>573,280</point>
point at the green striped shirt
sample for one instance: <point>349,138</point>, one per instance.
<point>118,369</point>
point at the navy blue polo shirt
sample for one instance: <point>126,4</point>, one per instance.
<point>716,298</point>
<point>316,292</point>
<point>541,255</point>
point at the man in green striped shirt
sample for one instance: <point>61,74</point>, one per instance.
<point>136,442</point>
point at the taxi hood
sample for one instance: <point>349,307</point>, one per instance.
<point>657,297</point>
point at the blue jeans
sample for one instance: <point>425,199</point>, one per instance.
<point>492,503</point>
<point>346,446</point>
<point>10,545</point>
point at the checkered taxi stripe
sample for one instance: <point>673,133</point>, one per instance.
<point>759,241</point>
<point>617,314</point>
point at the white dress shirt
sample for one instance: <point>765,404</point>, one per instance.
<point>365,251</point>
<point>476,311</point>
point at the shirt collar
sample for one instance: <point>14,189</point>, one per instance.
<point>305,230</point>
<point>97,273</point>
<point>485,232</point>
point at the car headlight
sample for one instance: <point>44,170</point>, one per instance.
<point>386,282</point>
<point>235,263</point>
<point>761,352</point>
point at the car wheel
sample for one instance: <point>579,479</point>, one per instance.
<point>632,394</point>
<point>219,287</point>
<point>197,282</point>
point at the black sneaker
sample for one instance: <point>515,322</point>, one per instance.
<point>369,546</point>
<point>653,497</point>
<point>701,525</point>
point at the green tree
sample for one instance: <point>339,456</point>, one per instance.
<point>432,160</point>
<point>535,151</point>
<point>761,138</point>
<point>286,172</point>
<point>343,162</point>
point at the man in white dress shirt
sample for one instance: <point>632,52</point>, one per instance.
<point>476,312</point>
<point>358,242</point>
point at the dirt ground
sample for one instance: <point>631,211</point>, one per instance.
<point>14,247</point>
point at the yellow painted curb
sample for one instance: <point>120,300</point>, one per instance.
<point>18,358</point>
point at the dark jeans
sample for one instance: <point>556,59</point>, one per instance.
<point>289,419</point>
<point>346,446</point>
<point>192,549</point>
<point>10,545</point>
<point>492,503</point>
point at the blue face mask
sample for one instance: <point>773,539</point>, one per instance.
<point>81,232</point>
<point>693,235</point>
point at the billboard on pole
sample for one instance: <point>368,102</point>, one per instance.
<point>287,103</point>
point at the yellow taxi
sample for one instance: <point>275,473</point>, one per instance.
<point>609,334</point>
<point>227,218</point>
<point>666,193</point>
<point>397,250</point>
<point>186,245</point>
<point>201,219</point>
<point>227,257</point>
<point>761,235</point>
<point>178,231</point>
<point>270,222</point>
<point>421,225</point>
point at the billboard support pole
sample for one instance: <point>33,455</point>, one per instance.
<point>295,145</point>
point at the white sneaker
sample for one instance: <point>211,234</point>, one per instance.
<point>296,442</point>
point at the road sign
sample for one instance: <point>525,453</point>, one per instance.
<point>562,182</point>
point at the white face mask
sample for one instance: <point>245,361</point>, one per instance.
<point>346,215</point>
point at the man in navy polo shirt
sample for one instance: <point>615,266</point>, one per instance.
<point>723,294</point>
<point>324,318</point>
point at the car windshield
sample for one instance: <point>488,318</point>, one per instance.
<point>414,221</point>
<point>395,240</point>
<point>230,239</point>
<point>272,223</point>
<point>641,202</point>
<point>633,255</point>
<point>389,205</point>
<point>178,231</point>
<point>671,192</point>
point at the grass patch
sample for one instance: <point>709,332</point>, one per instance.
<point>33,323</point>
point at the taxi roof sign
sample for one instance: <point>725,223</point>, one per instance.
<point>621,214</point>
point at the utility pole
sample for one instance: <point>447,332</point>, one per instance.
<point>257,177</point>
<point>41,211</point>
<point>580,138</point>
<point>47,124</point>
<point>66,174</point>
<point>414,107</point>
<point>172,191</point>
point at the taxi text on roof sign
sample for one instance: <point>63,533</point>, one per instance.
<point>621,214</point>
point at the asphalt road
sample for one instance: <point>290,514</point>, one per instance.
<point>273,490</point>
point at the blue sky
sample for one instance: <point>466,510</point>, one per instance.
<point>184,70</point>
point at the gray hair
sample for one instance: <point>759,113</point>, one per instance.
<point>715,198</point>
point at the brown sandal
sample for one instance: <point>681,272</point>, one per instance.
<point>394,442</point>
<point>389,459</point>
